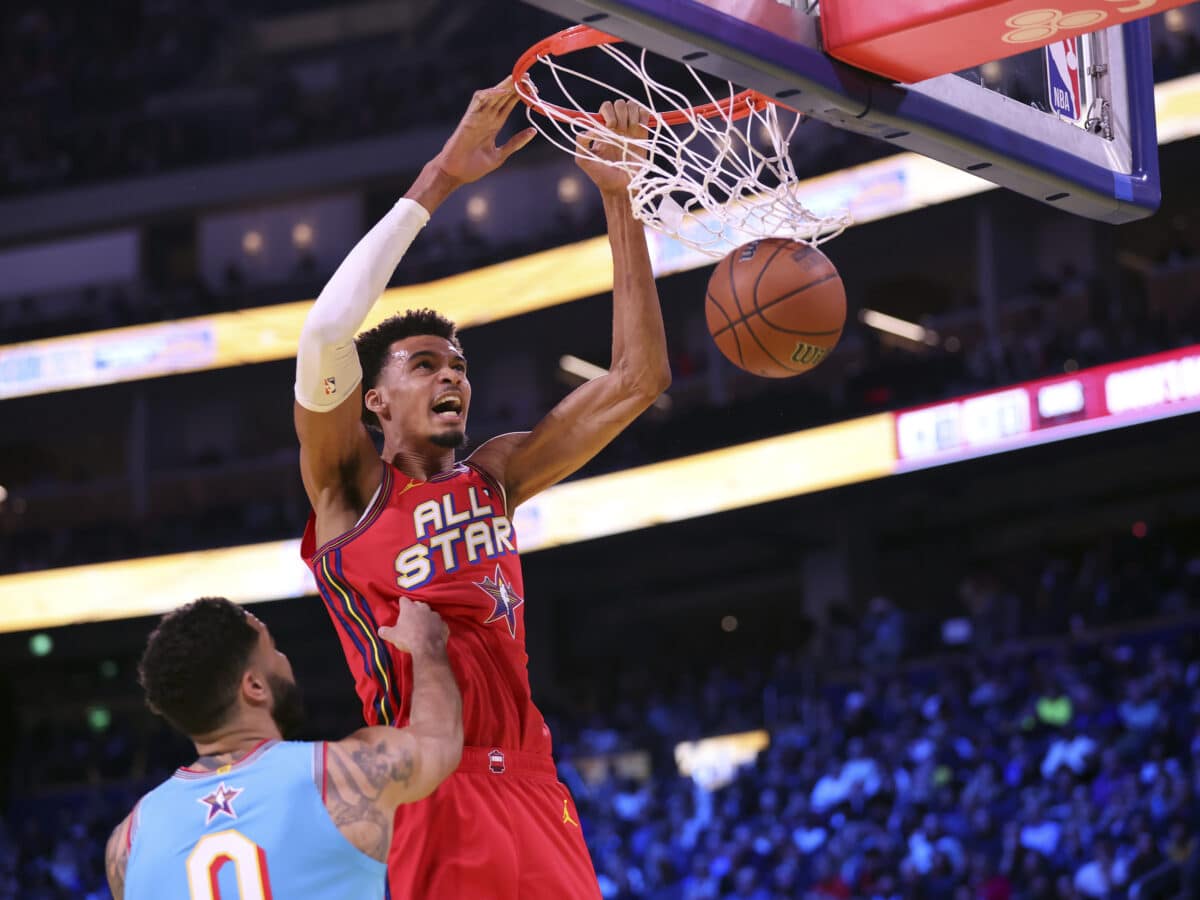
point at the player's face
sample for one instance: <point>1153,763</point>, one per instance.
<point>423,392</point>
<point>269,657</point>
<point>287,706</point>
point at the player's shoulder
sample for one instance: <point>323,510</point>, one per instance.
<point>117,850</point>
<point>121,836</point>
<point>491,457</point>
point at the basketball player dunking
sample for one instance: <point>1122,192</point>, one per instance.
<point>420,524</point>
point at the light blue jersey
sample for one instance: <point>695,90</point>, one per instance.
<point>254,830</point>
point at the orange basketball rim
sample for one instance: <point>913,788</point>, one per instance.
<point>583,37</point>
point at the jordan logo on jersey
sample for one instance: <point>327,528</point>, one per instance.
<point>220,802</point>
<point>506,600</point>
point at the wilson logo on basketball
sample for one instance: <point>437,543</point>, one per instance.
<point>808,355</point>
<point>775,307</point>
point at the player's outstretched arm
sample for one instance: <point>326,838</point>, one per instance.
<point>592,415</point>
<point>338,461</point>
<point>116,856</point>
<point>376,769</point>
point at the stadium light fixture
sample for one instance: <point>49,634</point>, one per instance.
<point>586,371</point>
<point>899,327</point>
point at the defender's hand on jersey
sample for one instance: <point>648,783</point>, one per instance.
<point>418,629</point>
<point>628,120</point>
<point>471,152</point>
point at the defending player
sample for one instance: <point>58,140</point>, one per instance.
<point>419,523</point>
<point>256,817</point>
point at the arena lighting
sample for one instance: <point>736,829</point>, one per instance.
<point>268,333</point>
<point>899,327</point>
<point>302,235</point>
<point>570,190</point>
<point>252,243</point>
<point>874,191</point>
<point>597,769</point>
<point>671,491</point>
<point>41,644</point>
<point>713,762</point>
<point>580,368</point>
<point>99,718</point>
<point>1037,412</point>
<point>586,371</point>
<point>477,208</point>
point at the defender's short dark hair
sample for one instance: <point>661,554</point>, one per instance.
<point>194,662</point>
<point>373,345</point>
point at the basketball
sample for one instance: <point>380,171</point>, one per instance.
<point>775,307</point>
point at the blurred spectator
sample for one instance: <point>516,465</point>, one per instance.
<point>1095,878</point>
<point>882,633</point>
<point>1139,712</point>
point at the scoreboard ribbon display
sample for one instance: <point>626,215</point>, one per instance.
<point>1037,412</point>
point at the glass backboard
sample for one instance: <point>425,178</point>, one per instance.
<point>1071,124</point>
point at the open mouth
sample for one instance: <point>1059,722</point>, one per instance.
<point>449,408</point>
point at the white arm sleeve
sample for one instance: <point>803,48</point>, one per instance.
<point>327,367</point>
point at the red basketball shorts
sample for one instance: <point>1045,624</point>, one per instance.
<point>502,827</point>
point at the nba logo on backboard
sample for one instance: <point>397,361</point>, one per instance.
<point>1062,64</point>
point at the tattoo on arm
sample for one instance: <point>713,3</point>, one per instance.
<point>115,858</point>
<point>358,776</point>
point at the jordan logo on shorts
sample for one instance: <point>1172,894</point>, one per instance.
<point>567,820</point>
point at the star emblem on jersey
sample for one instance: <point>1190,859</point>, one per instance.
<point>220,802</point>
<point>506,599</point>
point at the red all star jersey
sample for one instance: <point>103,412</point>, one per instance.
<point>449,543</point>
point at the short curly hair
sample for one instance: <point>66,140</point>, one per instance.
<point>373,345</point>
<point>194,662</point>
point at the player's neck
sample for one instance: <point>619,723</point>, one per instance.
<point>232,743</point>
<point>420,463</point>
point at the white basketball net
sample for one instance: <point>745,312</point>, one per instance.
<point>713,184</point>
